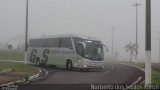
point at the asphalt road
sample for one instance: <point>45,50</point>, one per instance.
<point>112,74</point>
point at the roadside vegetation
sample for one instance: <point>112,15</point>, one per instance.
<point>10,71</point>
<point>155,77</point>
<point>131,47</point>
<point>155,74</point>
<point>17,66</point>
<point>14,55</point>
<point>17,71</point>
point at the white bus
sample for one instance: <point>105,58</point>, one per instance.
<point>68,51</point>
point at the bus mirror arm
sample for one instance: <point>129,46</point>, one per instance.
<point>106,47</point>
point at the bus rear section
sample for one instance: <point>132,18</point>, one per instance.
<point>51,51</point>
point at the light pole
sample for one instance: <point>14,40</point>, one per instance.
<point>159,47</point>
<point>148,43</point>
<point>136,5</point>
<point>159,43</point>
<point>112,39</point>
<point>26,33</point>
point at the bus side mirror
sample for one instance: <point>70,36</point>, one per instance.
<point>107,50</point>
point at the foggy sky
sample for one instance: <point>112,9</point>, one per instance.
<point>90,17</point>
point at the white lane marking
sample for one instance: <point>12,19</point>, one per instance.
<point>137,81</point>
<point>112,67</point>
<point>128,87</point>
<point>133,66</point>
<point>107,72</point>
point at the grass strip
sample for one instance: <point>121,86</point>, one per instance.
<point>17,67</point>
<point>14,55</point>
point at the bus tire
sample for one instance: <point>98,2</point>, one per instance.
<point>38,61</point>
<point>69,65</point>
<point>87,69</point>
<point>43,64</point>
<point>84,69</point>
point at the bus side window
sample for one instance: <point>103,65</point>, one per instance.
<point>66,43</point>
<point>80,50</point>
<point>38,43</point>
<point>53,42</point>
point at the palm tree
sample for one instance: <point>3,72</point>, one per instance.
<point>132,48</point>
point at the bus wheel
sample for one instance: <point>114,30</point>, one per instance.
<point>38,62</point>
<point>43,64</point>
<point>69,65</point>
<point>87,69</point>
<point>84,69</point>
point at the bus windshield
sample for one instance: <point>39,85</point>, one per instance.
<point>94,51</point>
<point>89,49</point>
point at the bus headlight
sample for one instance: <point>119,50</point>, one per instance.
<point>85,66</point>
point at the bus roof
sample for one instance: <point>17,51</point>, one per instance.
<point>69,35</point>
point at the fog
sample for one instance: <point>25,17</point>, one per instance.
<point>88,17</point>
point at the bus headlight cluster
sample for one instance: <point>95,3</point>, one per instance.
<point>85,66</point>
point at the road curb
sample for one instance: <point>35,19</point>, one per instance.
<point>26,79</point>
<point>6,71</point>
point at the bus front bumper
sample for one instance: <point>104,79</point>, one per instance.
<point>89,67</point>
